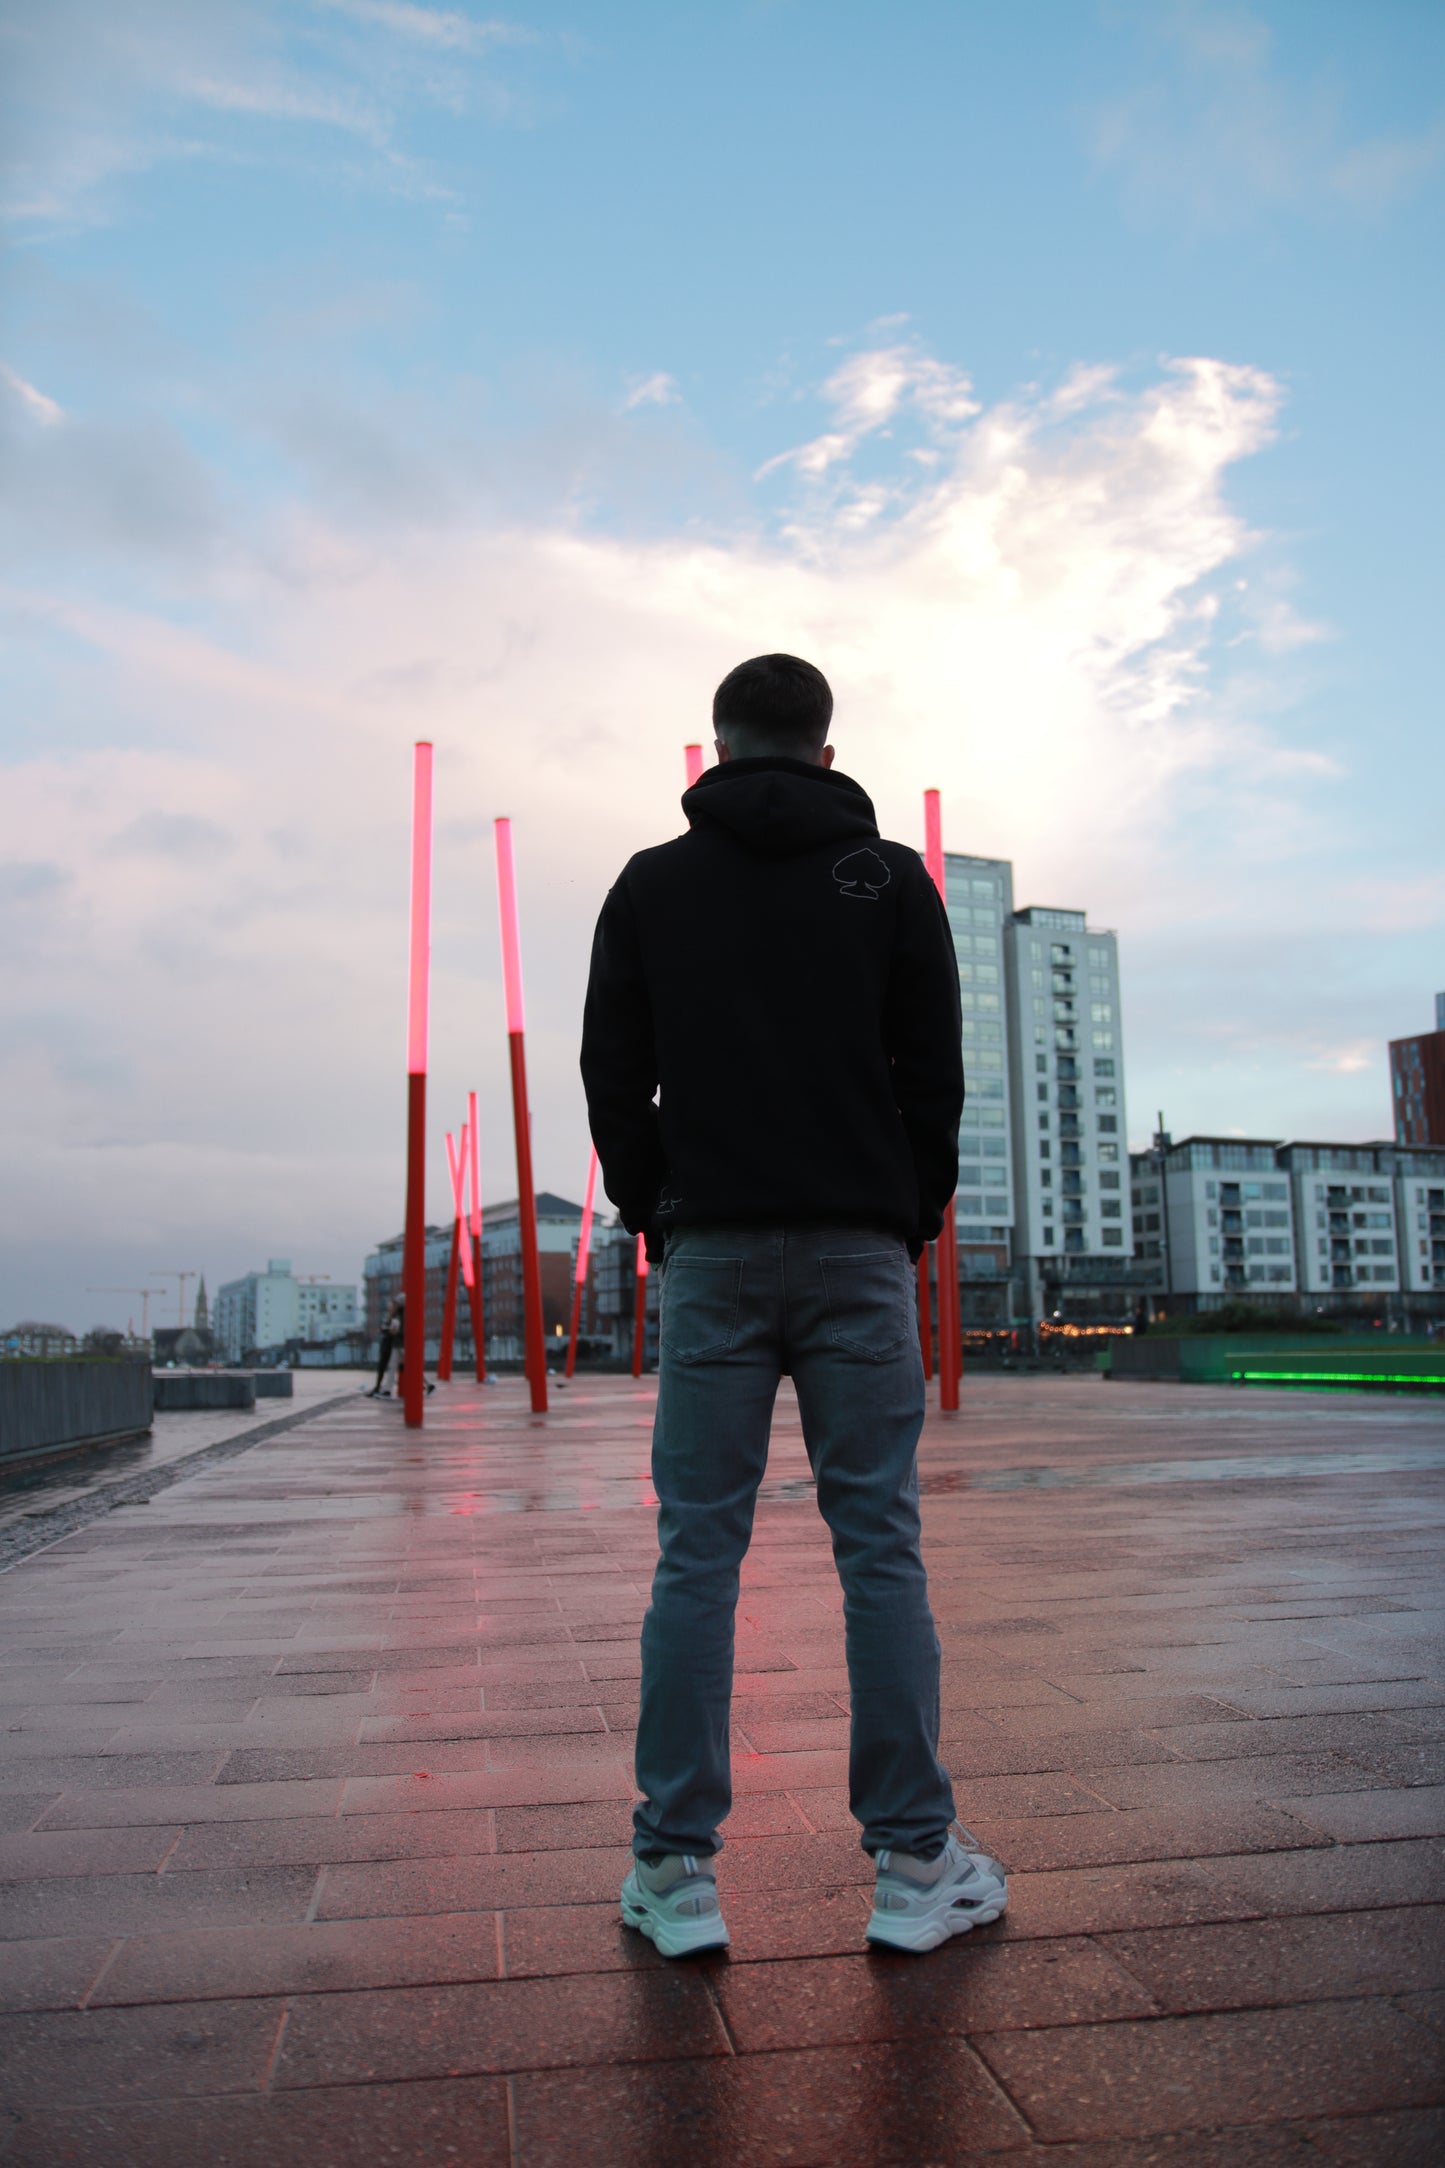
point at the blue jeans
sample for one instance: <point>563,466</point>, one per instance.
<point>837,1309</point>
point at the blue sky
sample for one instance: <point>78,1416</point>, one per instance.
<point>1062,376</point>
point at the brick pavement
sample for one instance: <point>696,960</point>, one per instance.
<point>314,1804</point>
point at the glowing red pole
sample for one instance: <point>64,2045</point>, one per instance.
<point>584,1246</point>
<point>950,1324</point>
<point>460,1255</point>
<point>413,1268</point>
<point>692,757</point>
<point>449,1300</point>
<point>536,1362</point>
<point>639,1318</point>
<point>474,1284</point>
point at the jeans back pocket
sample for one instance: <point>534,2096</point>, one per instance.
<point>700,1297</point>
<point>868,1305</point>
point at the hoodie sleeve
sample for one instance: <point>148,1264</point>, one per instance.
<point>619,1065</point>
<point>925,1046</point>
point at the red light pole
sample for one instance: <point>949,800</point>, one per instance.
<point>950,1324</point>
<point>413,1265</point>
<point>474,1284</point>
<point>536,1359</point>
<point>639,1315</point>
<point>584,1247</point>
<point>461,1250</point>
<point>692,760</point>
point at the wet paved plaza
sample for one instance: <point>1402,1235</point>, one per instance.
<point>316,1781</point>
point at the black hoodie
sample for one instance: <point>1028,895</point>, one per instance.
<point>787,979</point>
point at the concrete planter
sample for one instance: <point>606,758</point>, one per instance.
<point>72,1402</point>
<point>182,1391</point>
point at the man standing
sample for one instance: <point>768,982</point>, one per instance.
<point>783,980</point>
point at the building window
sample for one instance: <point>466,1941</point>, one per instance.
<point>1113,1238</point>
<point>1101,1012</point>
<point>1103,1068</point>
<point>1106,1096</point>
<point>1041,1063</point>
<point>1102,1041</point>
<point>1110,1208</point>
<point>1044,1093</point>
<point>1108,1123</point>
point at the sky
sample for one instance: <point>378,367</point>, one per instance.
<point>1062,378</point>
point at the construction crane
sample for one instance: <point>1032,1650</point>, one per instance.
<point>145,1294</point>
<point>170,1272</point>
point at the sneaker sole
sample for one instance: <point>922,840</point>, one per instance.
<point>676,1938</point>
<point>919,1936</point>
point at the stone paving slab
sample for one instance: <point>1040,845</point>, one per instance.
<point>315,1788</point>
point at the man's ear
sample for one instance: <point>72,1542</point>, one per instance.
<point>825,758</point>
<point>720,748</point>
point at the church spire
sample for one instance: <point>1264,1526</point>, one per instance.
<point>203,1315</point>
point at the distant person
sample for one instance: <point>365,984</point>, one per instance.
<point>786,980</point>
<point>393,1335</point>
<point>391,1332</point>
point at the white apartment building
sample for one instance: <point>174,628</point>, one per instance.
<point>1344,1204</point>
<point>980,904</point>
<point>1338,1226</point>
<point>1420,1217</point>
<point>1218,1216</point>
<point>1069,1121</point>
<point>266,1309</point>
<point>1042,1170</point>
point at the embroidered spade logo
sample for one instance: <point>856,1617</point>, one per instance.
<point>862,874</point>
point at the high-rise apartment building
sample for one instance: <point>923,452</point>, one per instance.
<point>1417,1083</point>
<point>1043,1159</point>
<point>980,905</point>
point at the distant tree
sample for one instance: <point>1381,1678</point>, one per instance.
<point>103,1340</point>
<point>33,1337</point>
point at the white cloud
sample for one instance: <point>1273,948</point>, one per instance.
<point>659,389</point>
<point>443,28</point>
<point>1035,624</point>
<point>94,94</point>
<point>870,391</point>
<point>1219,132</point>
<point>36,405</point>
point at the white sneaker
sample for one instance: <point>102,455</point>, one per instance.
<point>675,1905</point>
<point>918,1903</point>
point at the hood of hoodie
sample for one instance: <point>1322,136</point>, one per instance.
<point>778,807</point>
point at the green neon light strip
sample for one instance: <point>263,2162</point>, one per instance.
<point>1331,1377</point>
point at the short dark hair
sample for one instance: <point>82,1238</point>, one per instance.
<point>774,704</point>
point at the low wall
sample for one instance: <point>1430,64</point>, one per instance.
<point>179,1391</point>
<point>72,1401</point>
<point>274,1385</point>
<point>1398,1361</point>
